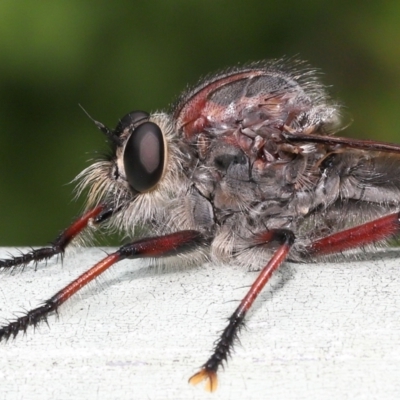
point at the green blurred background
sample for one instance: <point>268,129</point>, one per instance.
<point>116,56</point>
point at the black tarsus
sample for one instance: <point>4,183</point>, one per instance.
<point>32,318</point>
<point>57,247</point>
<point>224,345</point>
<point>154,247</point>
<point>36,255</point>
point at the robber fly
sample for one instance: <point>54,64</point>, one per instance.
<point>243,169</point>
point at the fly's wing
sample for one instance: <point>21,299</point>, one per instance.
<point>266,99</point>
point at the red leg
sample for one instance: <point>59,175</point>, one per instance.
<point>370,232</point>
<point>96,215</point>
<point>150,247</point>
<point>226,341</point>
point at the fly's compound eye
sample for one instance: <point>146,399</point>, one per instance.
<point>144,157</point>
<point>131,120</point>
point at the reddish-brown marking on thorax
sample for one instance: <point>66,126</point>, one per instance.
<point>198,111</point>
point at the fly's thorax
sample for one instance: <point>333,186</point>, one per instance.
<point>238,181</point>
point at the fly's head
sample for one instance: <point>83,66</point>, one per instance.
<point>142,172</point>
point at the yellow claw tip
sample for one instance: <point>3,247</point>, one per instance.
<point>209,376</point>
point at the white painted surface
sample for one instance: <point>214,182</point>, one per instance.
<point>319,331</point>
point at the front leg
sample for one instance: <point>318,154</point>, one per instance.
<point>153,247</point>
<point>96,215</point>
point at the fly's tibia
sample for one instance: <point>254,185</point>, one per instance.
<point>32,318</point>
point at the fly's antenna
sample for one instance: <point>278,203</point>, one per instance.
<point>111,135</point>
